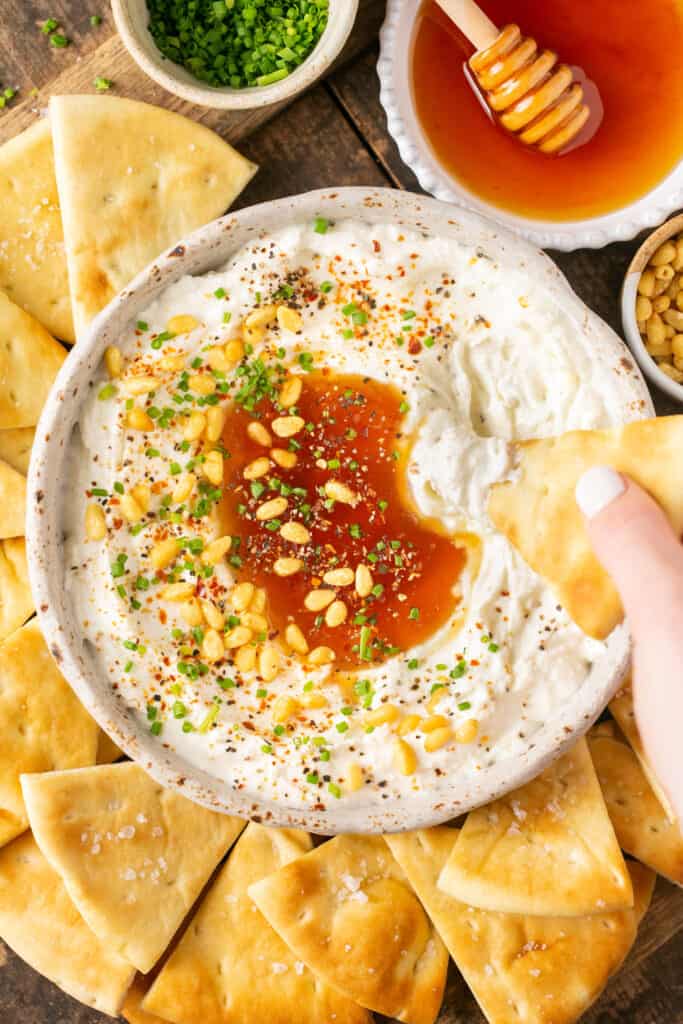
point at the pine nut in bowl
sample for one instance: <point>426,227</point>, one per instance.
<point>186,580</point>
<point>652,307</point>
<point>227,77</point>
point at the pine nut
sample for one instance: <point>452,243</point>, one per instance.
<point>213,615</point>
<point>405,758</point>
<point>171,363</point>
<point>354,777</point>
<point>217,359</point>
<point>433,723</point>
<point>258,601</point>
<point>215,421</point>
<point>409,724</point>
<point>268,662</point>
<point>113,360</point>
<point>195,425</point>
<point>184,488</point>
<point>436,698</point>
<point>191,612</point>
<point>437,739</point>
<point>336,614</point>
<point>165,552</point>
<point>289,319</point>
<point>466,732</point>
<point>287,426</point>
<point>338,491</point>
<point>253,335</point>
<point>245,658</point>
<point>238,636</point>
<point>201,383</point>
<point>295,639</point>
<point>383,715</point>
<point>287,566</point>
<point>258,434</point>
<point>286,460</point>
<point>212,468</point>
<point>130,509</point>
<point>182,324</point>
<point>271,509</point>
<point>665,254</point>
<point>234,351</point>
<point>177,592</point>
<point>137,419</point>
<point>339,577</point>
<point>321,656</point>
<point>284,708</point>
<point>290,392</point>
<point>143,385</point>
<point>313,701</point>
<point>295,533</point>
<point>241,596</point>
<point>364,581</point>
<point>255,621</point>
<point>216,550</point>
<point>213,647</point>
<point>95,523</point>
<point>316,600</point>
<point>143,496</point>
<point>256,469</point>
<point>261,317</point>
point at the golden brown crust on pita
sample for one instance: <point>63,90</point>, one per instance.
<point>40,923</point>
<point>15,447</point>
<point>30,359</point>
<point>16,602</point>
<point>231,967</point>
<point>547,848</point>
<point>134,856</point>
<point>132,1011</point>
<point>348,912</point>
<point>538,513</point>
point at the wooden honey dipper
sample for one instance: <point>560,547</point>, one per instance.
<point>536,99</point>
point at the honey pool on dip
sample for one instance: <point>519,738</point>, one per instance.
<point>632,51</point>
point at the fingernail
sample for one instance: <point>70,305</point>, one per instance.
<point>598,488</point>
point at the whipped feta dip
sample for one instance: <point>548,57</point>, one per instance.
<point>482,355</point>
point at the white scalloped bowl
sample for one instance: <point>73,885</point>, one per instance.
<point>397,38</point>
<point>205,250</point>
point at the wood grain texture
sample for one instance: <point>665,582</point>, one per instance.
<point>334,135</point>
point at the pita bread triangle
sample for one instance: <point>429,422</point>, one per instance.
<point>12,503</point>
<point>622,708</point>
<point>133,856</point>
<point>15,447</point>
<point>32,261</point>
<point>345,910</point>
<point>538,513</point>
<point>548,848</point>
<point>132,1011</point>
<point>16,602</point>
<point>533,970</point>
<point>230,966</point>
<point>42,724</point>
<point>30,359</point>
<point>133,179</point>
<point>40,923</point>
<point>640,822</point>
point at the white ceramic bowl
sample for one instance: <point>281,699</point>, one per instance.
<point>131,21</point>
<point>207,249</point>
<point>394,65</point>
<point>629,293</point>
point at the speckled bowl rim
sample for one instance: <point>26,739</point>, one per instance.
<point>396,39</point>
<point>132,27</point>
<point>48,489</point>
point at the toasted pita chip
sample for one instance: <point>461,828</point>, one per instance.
<point>42,724</point>
<point>133,856</point>
<point>548,848</point>
<point>107,751</point>
<point>639,820</point>
<point>621,707</point>
<point>12,503</point>
<point>32,260</point>
<point>132,1011</point>
<point>133,179</point>
<point>230,966</point>
<point>15,447</point>
<point>539,515</point>
<point>16,602</point>
<point>30,359</point>
<point>533,970</point>
<point>40,923</point>
<point>347,911</point>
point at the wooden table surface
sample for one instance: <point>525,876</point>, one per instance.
<point>333,135</point>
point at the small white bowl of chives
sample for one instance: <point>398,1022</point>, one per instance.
<point>234,54</point>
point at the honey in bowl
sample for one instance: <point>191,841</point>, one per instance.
<point>306,509</point>
<point>630,51</point>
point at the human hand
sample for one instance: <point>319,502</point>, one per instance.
<point>637,546</point>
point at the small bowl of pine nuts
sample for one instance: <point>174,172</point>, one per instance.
<point>652,307</point>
